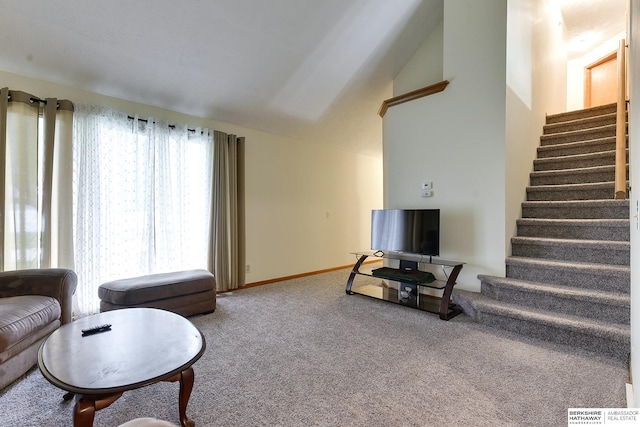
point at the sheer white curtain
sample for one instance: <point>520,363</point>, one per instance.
<point>142,198</point>
<point>35,181</point>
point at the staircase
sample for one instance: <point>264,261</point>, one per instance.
<point>568,279</point>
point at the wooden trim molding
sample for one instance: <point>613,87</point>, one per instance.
<point>295,276</point>
<point>410,96</point>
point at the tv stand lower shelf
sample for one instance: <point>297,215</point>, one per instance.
<point>409,287</point>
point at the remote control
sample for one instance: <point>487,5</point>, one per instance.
<point>96,329</point>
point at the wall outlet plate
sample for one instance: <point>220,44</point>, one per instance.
<point>427,185</point>
<point>427,193</point>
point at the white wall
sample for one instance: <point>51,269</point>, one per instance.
<point>576,66</point>
<point>290,187</point>
<point>634,199</point>
<point>456,139</point>
<point>550,60</point>
<point>424,68</point>
<point>536,82</point>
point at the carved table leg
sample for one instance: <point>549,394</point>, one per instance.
<point>84,412</point>
<point>186,385</point>
<point>86,407</point>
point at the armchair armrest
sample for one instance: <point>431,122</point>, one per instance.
<point>58,283</point>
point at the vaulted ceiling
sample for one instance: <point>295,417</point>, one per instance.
<point>306,69</point>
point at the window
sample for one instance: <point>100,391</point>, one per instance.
<point>142,192</point>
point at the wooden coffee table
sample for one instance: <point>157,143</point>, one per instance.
<point>144,346</point>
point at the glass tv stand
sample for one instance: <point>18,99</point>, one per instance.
<point>411,282</point>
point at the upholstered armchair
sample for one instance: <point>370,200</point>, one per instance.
<point>33,303</point>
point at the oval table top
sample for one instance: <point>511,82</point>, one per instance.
<point>144,346</point>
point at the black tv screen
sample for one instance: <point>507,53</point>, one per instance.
<point>406,230</point>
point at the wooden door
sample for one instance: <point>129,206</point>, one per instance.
<point>601,81</point>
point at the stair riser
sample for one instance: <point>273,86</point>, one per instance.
<point>569,277</point>
<point>580,124</point>
<point>583,135</point>
<point>571,253</point>
<point>615,233</point>
<point>607,175</point>
<point>588,147</point>
<point>616,348</point>
<point>563,163</point>
<point>558,304</point>
<point>582,114</point>
<point>567,194</point>
<point>576,212</point>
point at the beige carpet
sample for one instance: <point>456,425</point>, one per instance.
<point>303,353</point>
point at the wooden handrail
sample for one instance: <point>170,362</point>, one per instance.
<point>620,189</point>
<point>425,91</point>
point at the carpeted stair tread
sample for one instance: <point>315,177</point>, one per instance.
<point>546,288</point>
<point>612,340</point>
<point>586,175</point>
<point>604,269</point>
<point>576,243</point>
<point>581,325</point>
<point>580,123</point>
<point>597,251</point>
<point>591,229</point>
<point>579,147</point>
<point>588,191</point>
<point>588,185</point>
<point>589,169</point>
<point>578,222</point>
<point>579,135</point>
<point>607,208</point>
<point>606,277</point>
<point>578,114</point>
<point>592,303</point>
<point>602,158</point>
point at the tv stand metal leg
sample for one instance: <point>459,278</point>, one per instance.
<point>353,274</point>
<point>446,295</point>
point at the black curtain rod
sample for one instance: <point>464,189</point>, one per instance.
<point>42,101</point>
<point>33,99</point>
<point>27,98</point>
<point>147,121</point>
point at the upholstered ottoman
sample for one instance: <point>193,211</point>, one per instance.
<point>183,292</point>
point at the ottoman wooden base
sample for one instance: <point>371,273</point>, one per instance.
<point>182,292</point>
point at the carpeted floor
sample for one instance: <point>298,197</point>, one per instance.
<point>303,353</point>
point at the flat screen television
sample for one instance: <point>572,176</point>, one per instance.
<point>406,230</point>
